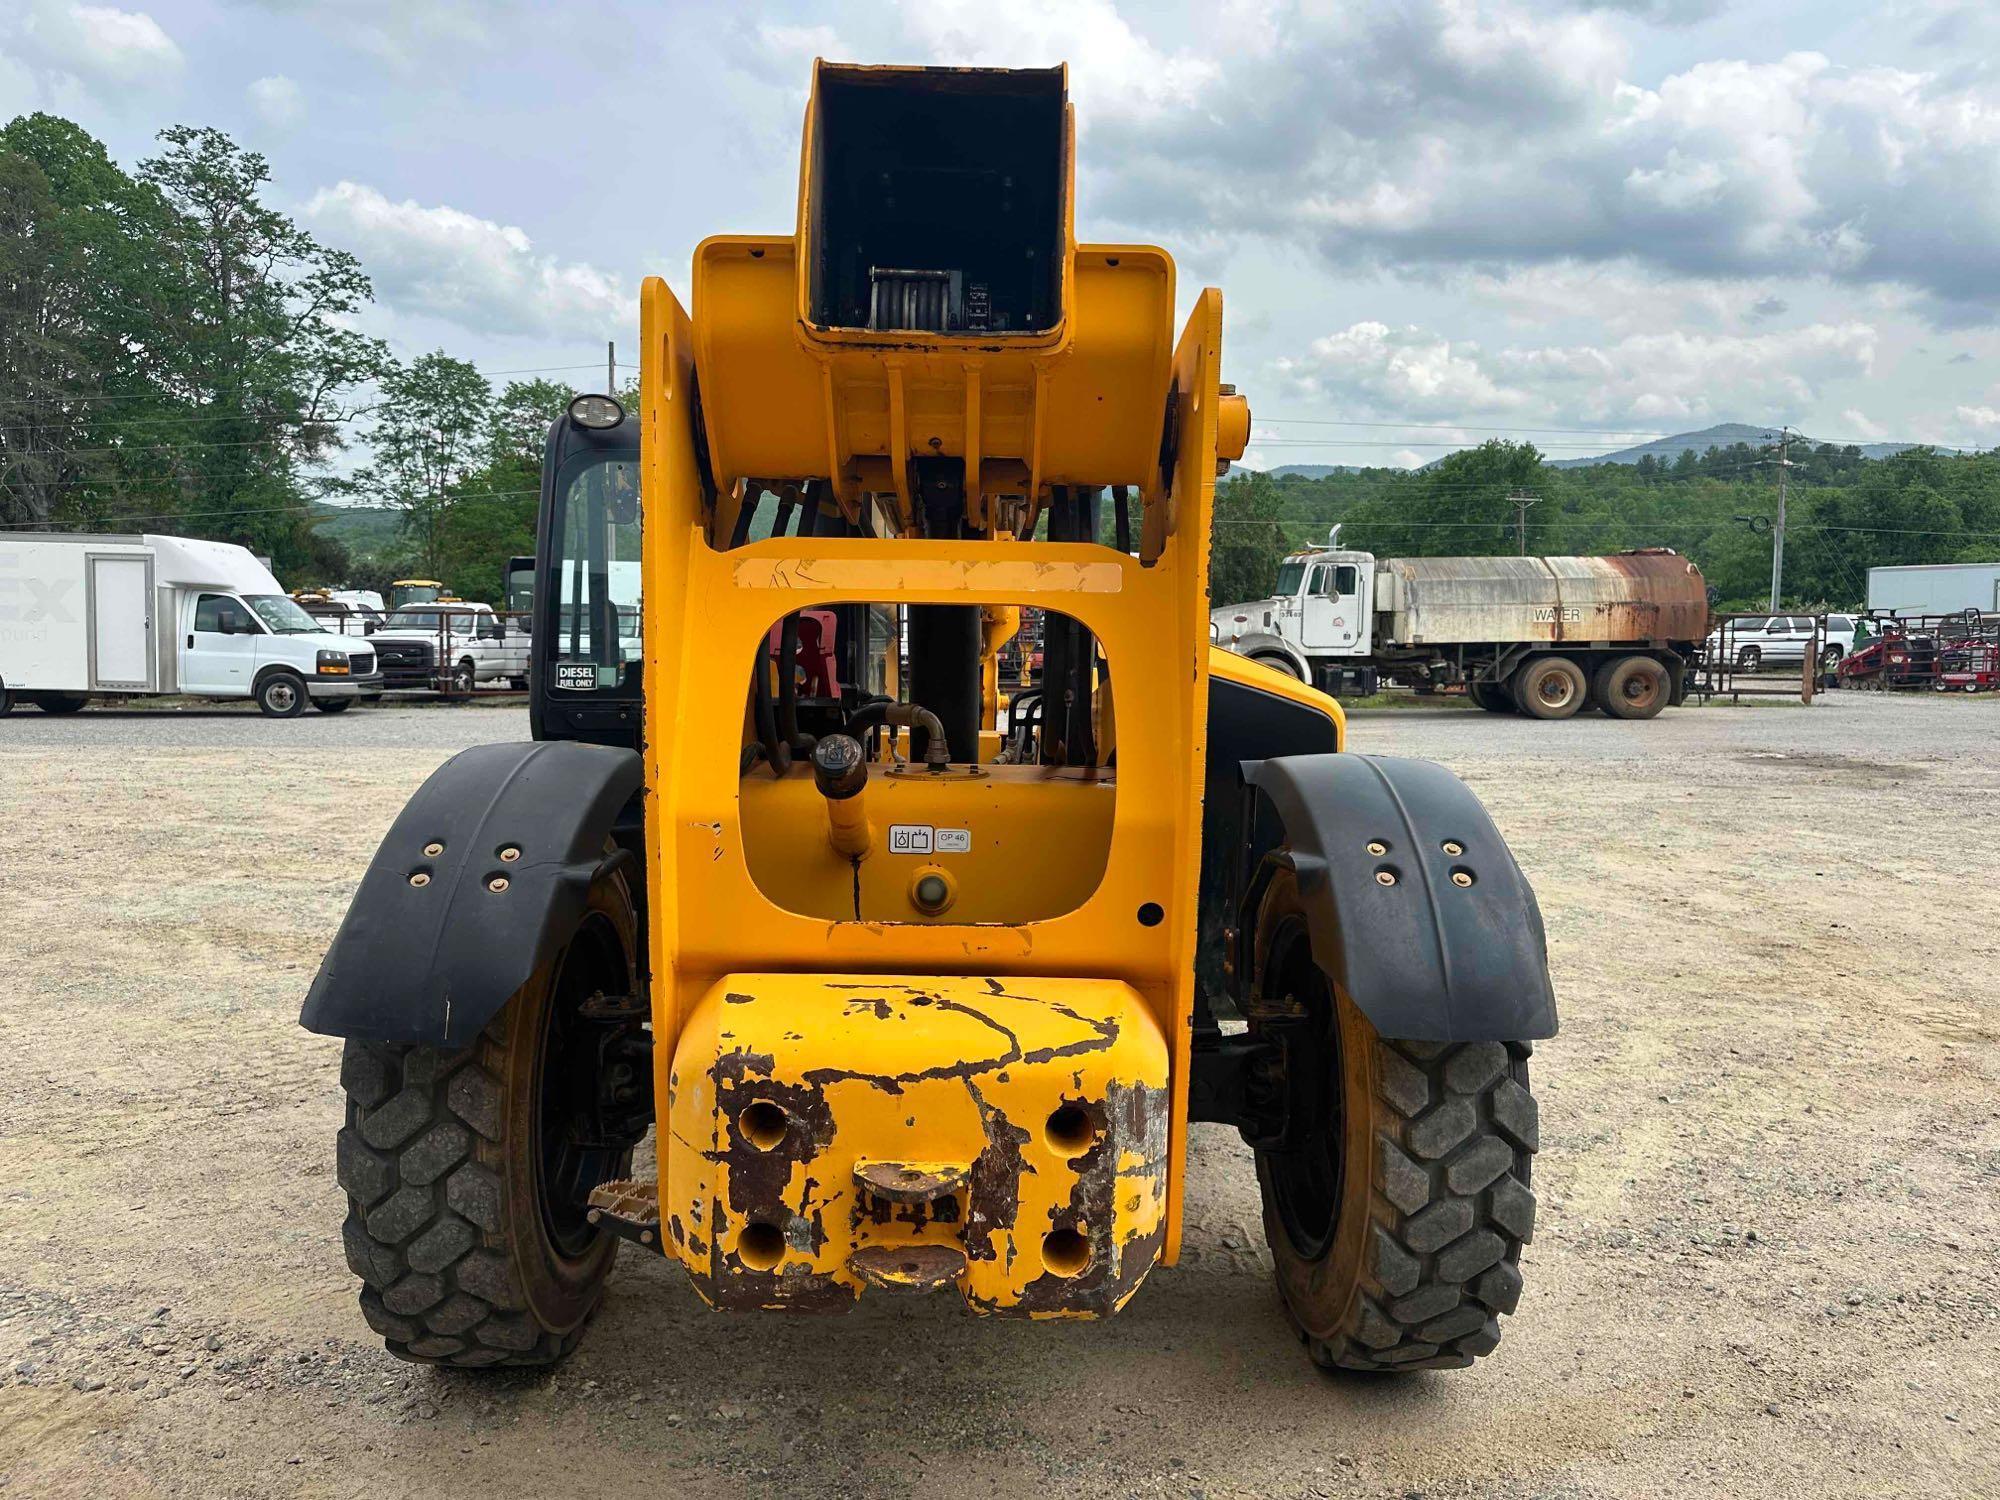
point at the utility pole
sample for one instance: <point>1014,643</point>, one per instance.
<point>1521,500</point>
<point>611,368</point>
<point>1778,529</point>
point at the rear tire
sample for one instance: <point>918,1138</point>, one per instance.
<point>282,695</point>
<point>1494,697</point>
<point>466,1192</point>
<point>1632,687</point>
<point>1550,687</point>
<point>1396,1225</point>
<point>1750,658</point>
<point>60,703</point>
<point>332,705</point>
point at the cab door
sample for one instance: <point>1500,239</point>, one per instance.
<point>219,647</point>
<point>1330,616</point>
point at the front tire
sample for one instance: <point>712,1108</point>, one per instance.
<point>1396,1222</point>
<point>1750,658</point>
<point>332,705</point>
<point>282,695</point>
<point>468,1173</point>
<point>61,703</point>
<point>464,677</point>
<point>1279,664</point>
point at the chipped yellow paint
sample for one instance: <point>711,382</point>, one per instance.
<point>959,1077</point>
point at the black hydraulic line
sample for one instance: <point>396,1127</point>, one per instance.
<point>1121,516</point>
<point>786,505</point>
<point>744,514</point>
<point>776,752</point>
<point>788,652</point>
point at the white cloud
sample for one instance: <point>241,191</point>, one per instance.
<point>279,102</point>
<point>473,272</point>
<point>1858,424</point>
<point>407,34</point>
<point>1677,377</point>
<point>61,56</point>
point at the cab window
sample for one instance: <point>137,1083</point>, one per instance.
<point>597,594</point>
<point>1346,579</point>
<point>218,614</point>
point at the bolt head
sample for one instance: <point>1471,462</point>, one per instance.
<point>1377,847</point>
<point>1453,847</point>
<point>433,850</point>
<point>1385,877</point>
<point>497,884</point>
<point>420,879</point>
<point>510,854</point>
<point>1461,878</point>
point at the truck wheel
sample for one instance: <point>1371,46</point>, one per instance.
<point>1491,696</point>
<point>61,703</point>
<point>468,1172</point>
<point>1750,658</point>
<point>1632,687</point>
<point>282,695</point>
<point>1549,687</point>
<point>464,677</point>
<point>1396,1222</point>
<point>332,705</point>
<point>1279,664</point>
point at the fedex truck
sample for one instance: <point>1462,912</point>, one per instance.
<point>87,616</point>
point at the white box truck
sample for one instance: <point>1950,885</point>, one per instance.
<point>85,616</point>
<point>1916,589</point>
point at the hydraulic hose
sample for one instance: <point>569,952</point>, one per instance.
<point>937,755</point>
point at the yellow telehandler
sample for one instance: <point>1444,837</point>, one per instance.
<point>918,976</point>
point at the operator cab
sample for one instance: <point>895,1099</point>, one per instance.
<point>583,592</point>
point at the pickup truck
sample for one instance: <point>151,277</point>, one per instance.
<point>451,647</point>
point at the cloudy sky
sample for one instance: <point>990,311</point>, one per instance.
<point>1434,220</point>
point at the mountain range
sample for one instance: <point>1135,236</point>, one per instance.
<point>1667,449</point>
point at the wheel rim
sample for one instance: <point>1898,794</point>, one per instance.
<point>1640,690</point>
<point>282,696</point>
<point>1307,1180</point>
<point>1553,689</point>
<point>571,1158</point>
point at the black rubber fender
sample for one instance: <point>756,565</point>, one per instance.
<point>431,960</point>
<point>1426,958</point>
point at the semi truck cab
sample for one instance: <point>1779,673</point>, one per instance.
<point>1323,606</point>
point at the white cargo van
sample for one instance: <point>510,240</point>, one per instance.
<point>85,616</point>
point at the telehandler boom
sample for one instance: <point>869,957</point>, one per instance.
<point>917,984</point>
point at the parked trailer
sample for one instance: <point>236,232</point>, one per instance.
<point>1541,635</point>
<point>84,616</point>
<point>1931,589</point>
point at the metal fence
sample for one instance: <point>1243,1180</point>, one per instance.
<point>1763,656</point>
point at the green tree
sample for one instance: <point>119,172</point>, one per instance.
<point>432,437</point>
<point>1247,540</point>
<point>254,341</point>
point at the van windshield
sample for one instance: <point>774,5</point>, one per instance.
<point>430,619</point>
<point>282,616</point>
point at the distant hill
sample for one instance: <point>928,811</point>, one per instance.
<point>363,529</point>
<point>1300,471</point>
<point>1665,450</point>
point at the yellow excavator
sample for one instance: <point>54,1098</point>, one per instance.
<point>906,985</point>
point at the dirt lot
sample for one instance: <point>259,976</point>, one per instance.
<point>1767,1262</point>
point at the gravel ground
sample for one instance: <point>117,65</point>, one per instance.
<point>1770,1175</point>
